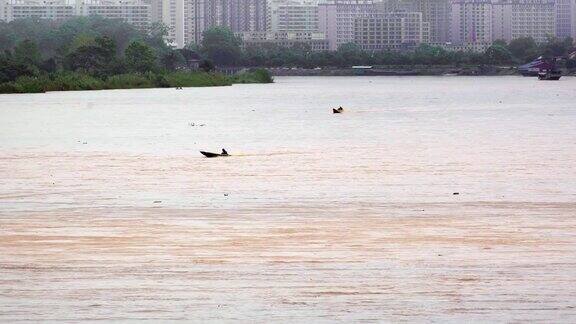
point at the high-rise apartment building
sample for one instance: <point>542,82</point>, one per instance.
<point>182,18</point>
<point>134,12</point>
<point>390,31</point>
<point>293,16</point>
<point>188,19</point>
<point>514,19</point>
<point>435,12</point>
<point>336,19</point>
<point>566,18</point>
<point>244,15</point>
<point>312,41</point>
<point>54,9</point>
<point>471,22</point>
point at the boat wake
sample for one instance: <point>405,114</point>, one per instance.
<point>267,154</point>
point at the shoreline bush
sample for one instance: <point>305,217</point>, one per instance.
<point>254,76</point>
<point>75,81</point>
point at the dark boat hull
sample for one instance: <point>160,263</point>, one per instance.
<point>550,76</point>
<point>210,154</point>
<point>550,79</point>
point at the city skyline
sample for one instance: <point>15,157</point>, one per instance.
<point>372,24</point>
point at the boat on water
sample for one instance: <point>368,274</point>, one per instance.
<point>542,68</point>
<point>533,68</point>
<point>549,75</point>
<point>213,155</point>
<point>337,111</point>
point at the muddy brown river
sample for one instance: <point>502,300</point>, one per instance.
<point>430,199</point>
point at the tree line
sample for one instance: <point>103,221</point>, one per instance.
<point>92,45</point>
<point>224,48</point>
<point>102,48</point>
<point>93,52</point>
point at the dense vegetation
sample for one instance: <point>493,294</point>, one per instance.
<point>96,53</point>
<point>224,48</point>
<point>87,53</point>
<point>517,52</point>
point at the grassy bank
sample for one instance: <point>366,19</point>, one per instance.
<point>67,81</point>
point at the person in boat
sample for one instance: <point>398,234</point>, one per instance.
<point>224,153</point>
<point>340,109</point>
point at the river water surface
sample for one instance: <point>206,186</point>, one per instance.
<point>108,211</point>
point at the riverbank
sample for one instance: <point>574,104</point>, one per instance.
<point>69,81</point>
<point>405,70</point>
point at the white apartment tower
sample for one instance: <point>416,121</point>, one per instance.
<point>390,31</point>
<point>471,22</point>
<point>50,9</point>
<point>336,19</point>
<point>188,19</point>
<point>293,16</point>
<point>566,18</point>
<point>434,12</point>
<point>135,12</point>
<point>514,19</point>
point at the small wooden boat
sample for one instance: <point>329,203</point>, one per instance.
<point>212,155</point>
<point>337,111</point>
<point>548,75</point>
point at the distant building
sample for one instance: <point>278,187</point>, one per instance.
<point>55,10</point>
<point>240,15</point>
<point>183,18</point>
<point>471,22</point>
<point>437,14</point>
<point>336,19</point>
<point>293,16</point>
<point>313,41</point>
<point>390,31</point>
<point>134,12</point>
<point>514,19</point>
<point>434,12</point>
<point>189,19</point>
<point>566,18</point>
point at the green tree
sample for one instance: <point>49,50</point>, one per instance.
<point>500,42</point>
<point>97,59</point>
<point>81,40</point>
<point>524,49</point>
<point>497,54</point>
<point>426,54</point>
<point>155,38</point>
<point>140,57</point>
<point>10,70</point>
<point>220,45</point>
<point>557,47</point>
<point>27,52</point>
<point>206,66</point>
<point>172,60</point>
<point>349,54</point>
<point>7,36</point>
